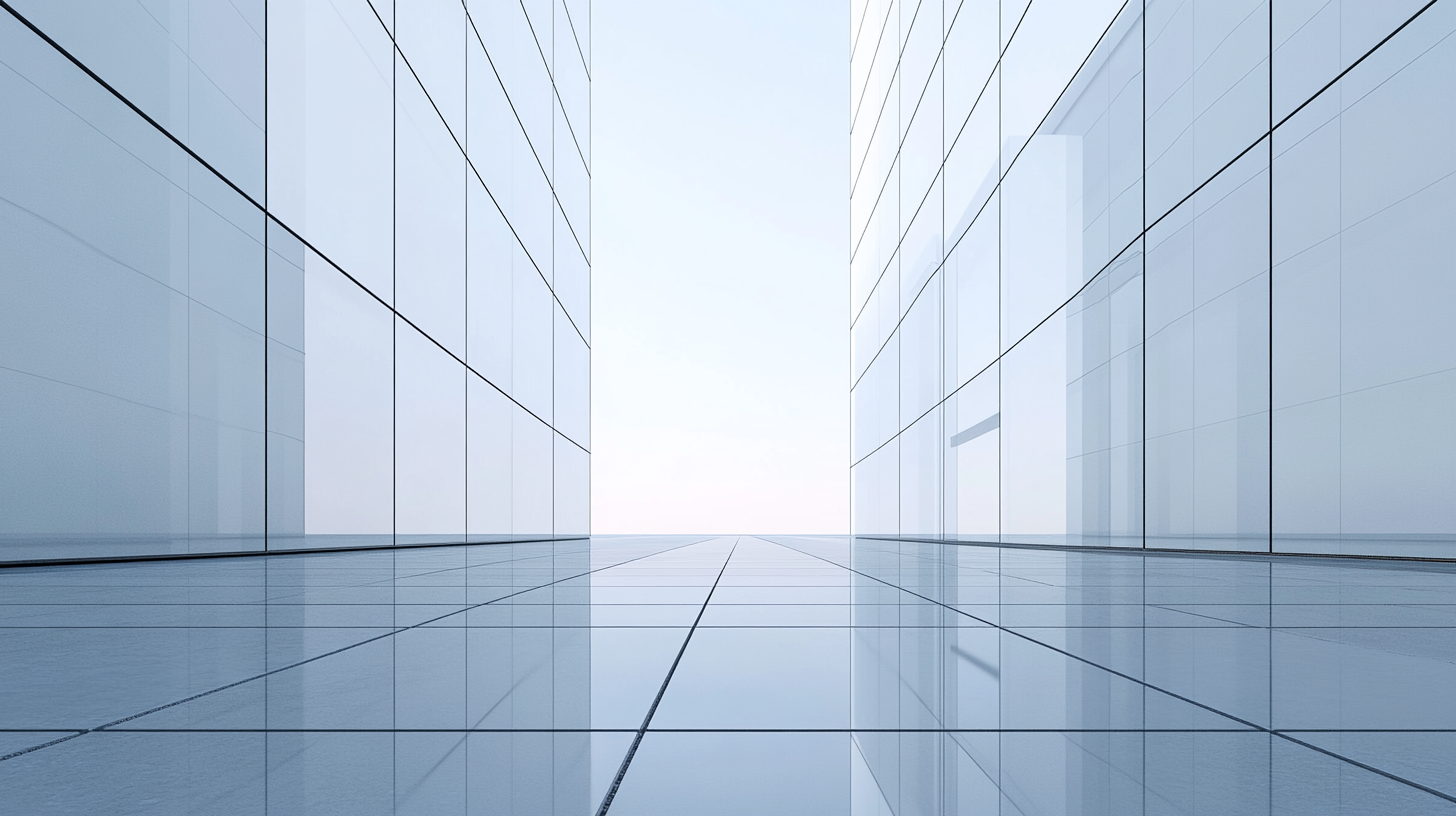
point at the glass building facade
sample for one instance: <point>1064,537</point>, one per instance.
<point>1155,275</point>
<point>292,275</point>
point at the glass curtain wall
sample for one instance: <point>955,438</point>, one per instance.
<point>1165,274</point>
<point>292,275</point>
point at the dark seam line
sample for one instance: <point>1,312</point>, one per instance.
<point>637,740</point>
<point>940,265</point>
<point>117,94</point>
<point>575,142</point>
<point>504,92</point>
<point>576,40</point>
<point>127,559</point>
<point>1302,105</point>
<point>465,153</point>
<point>546,177</point>
<point>1252,725</point>
<point>869,73</point>
<point>1047,115</point>
<point>397,631</point>
<point>1258,555</point>
<point>1371,768</point>
<point>901,140</point>
<point>858,241</point>
<point>1063,92</point>
<point>428,98</point>
<point>996,189</point>
<point>541,165</point>
<point>920,101</point>
<point>1347,70</point>
<point>864,14</point>
<point>899,243</point>
<point>900,52</point>
<point>383,25</point>
<point>858,169</point>
<point>536,38</point>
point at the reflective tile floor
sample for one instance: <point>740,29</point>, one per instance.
<point>729,675</point>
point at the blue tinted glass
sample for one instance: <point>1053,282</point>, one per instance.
<point>664,674</point>
<point>214,216</point>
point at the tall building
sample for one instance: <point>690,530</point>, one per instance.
<point>292,275</point>
<point>1165,275</point>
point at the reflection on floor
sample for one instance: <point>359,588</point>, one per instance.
<point>729,675</point>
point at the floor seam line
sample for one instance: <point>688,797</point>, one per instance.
<point>637,740</point>
<point>269,673</point>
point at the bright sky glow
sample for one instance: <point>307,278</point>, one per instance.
<point>720,266</point>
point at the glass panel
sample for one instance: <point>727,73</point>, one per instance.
<point>431,35</point>
<point>492,131</point>
<point>1034,436</point>
<point>429,221</point>
<point>285,388</point>
<point>531,476</point>
<point>1314,42</point>
<point>573,277</point>
<point>1041,249</point>
<point>1104,408</point>
<point>1100,114</point>
<point>573,189</point>
<point>877,492</point>
<point>194,67</point>
<point>920,387</point>
<point>973,466</point>
<point>921,247</point>
<point>331,134</point>
<point>348,412</point>
<point>571,393</point>
<point>531,337</point>
<point>972,163</point>
<point>225,432</point>
<point>1207,91</point>
<point>488,462</point>
<point>972,298</point>
<point>1052,40</point>
<point>429,441</point>
<point>488,288</point>
<point>920,469</point>
<point>875,401</point>
<point>572,493</point>
<point>1208,366</point>
<point>970,56</point>
<point>134,351</point>
<point>1363,354</point>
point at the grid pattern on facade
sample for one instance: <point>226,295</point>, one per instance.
<point>1182,264</point>
<point>293,275</point>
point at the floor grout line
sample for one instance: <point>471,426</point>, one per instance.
<point>396,631</point>
<point>1271,731</point>
<point>637,740</point>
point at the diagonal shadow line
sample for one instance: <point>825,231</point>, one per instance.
<point>392,633</point>
<point>1252,725</point>
<point>637,740</point>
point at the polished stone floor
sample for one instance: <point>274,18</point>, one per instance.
<point>729,675</point>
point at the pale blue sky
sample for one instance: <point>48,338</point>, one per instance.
<point>720,266</point>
